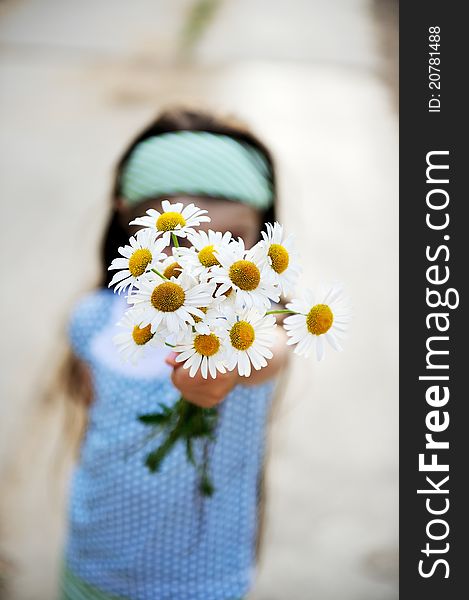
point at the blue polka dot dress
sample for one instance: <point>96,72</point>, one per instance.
<point>143,536</point>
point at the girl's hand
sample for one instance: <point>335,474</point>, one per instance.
<point>205,393</point>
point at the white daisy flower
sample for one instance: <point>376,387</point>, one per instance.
<point>244,273</point>
<point>202,351</point>
<point>279,253</point>
<point>175,218</point>
<point>213,316</point>
<point>173,303</point>
<point>136,259</point>
<point>249,335</point>
<point>170,266</point>
<point>133,342</point>
<point>203,255</point>
<point>322,316</point>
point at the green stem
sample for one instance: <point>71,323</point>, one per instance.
<point>175,240</point>
<point>282,312</point>
<point>155,458</point>
<point>170,345</point>
<point>160,274</point>
<point>185,422</point>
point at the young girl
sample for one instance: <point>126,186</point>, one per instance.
<point>133,534</point>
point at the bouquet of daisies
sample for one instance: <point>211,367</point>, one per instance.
<point>213,303</point>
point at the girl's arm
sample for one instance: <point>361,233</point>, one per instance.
<point>210,392</point>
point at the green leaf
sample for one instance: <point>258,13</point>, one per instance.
<point>153,461</point>
<point>153,419</point>
<point>206,486</point>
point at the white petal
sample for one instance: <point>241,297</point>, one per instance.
<point>331,338</point>
<point>204,367</point>
<point>212,367</point>
<point>320,347</point>
<point>195,365</point>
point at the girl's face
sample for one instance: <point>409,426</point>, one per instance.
<point>242,220</point>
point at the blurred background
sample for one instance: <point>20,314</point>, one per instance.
<point>317,80</point>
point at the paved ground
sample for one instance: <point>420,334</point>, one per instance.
<point>77,80</point>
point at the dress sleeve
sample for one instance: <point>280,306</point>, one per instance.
<point>88,316</point>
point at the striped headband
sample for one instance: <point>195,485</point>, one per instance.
<point>197,163</point>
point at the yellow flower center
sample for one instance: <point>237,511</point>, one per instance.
<point>207,345</point>
<point>279,257</point>
<point>207,258</point>
<point>169,221</point>
<point>245,275</point>
<point>139,261</point>
<point>172,270</point>
<point>242,335</point>
<point>319,319</point>
<point>142,335</point>
<point>204,310</point>
<point>168,297</point>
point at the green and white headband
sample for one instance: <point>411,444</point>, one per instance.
<point>197,163</point>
